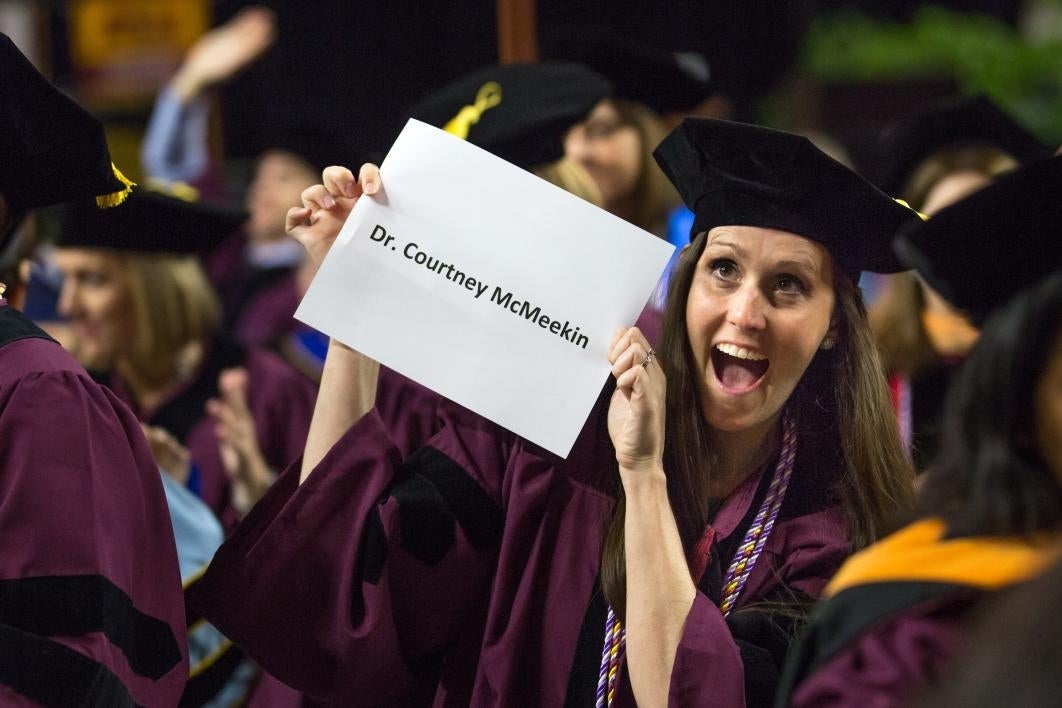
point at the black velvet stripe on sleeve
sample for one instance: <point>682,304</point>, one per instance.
<point>837,623</point>
<point>204,686</point>
<point>433,492</point>
<point>183,412</point>
<point>73,605</point>
<point>55,675</point>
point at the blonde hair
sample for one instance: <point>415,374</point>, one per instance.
<point>654,196</point>
<point>573,178</point>
<point>173,306</point>
<point>983,159</point>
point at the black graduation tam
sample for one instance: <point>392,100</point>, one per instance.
<point>519,112</point>
<point>980,251</point>
<point>746,175</point>
<point>51,149</point>
<point>956,123</point>
<point>148,222</point>
<point>667,82</point>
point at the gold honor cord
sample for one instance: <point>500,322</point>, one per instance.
<point>115,198</point>
<point>488,96</point>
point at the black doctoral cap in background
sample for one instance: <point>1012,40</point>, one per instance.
<point>519,112</point>
<point>738,174</point>
<point>955,123</point>
<point>667,82</point>
<point>982,250</point>
<point>148,222</point>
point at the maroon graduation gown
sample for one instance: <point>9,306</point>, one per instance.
<point>280,400</point>
<point>91,606</point>
<point>466,573</point>
<point>896,614</point>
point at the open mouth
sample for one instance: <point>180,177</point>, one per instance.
<point>737,369</point>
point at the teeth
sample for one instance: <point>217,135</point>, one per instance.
<point>739,352</point>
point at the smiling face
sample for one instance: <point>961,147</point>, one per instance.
<point>610,150</point>
<point>279,180</point>
<point>96,299</point>
<point>759,307</point>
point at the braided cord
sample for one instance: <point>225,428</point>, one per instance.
<point>736,576</point>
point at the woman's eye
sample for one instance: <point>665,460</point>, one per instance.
<point>725,269</point>
<point>790,284</point>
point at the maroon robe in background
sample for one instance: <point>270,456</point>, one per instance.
<point>889,665</point>
<point>466,572</point>
<point>258,303</point>
<point>896,613</point>
<point>280,399</point>
<point>91,605</point>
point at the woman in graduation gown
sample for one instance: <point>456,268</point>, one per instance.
<point>991,510</point>
<point>933,159</point>
<point>146,318</point>
<point>483,570</point>
<point>91,611</point>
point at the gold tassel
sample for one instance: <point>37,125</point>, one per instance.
<point>105,201</point>
<point>488,96</point>
<point>921,216</point>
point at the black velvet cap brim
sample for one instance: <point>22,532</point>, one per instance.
<point>51,149</point>
<point>979,252</point>
<point>955,123</point>
<point>745,175</point>
<point>148,223</point>
<point>539,104</point>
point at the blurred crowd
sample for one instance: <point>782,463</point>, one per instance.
<point>178,305</point>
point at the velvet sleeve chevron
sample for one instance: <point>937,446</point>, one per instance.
<point>359,560</point>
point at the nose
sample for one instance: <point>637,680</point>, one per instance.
<point>576,146</point>
<point>747,309</point>
<point>67,306</point>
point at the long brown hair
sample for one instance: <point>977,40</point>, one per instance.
<point>844,384</point>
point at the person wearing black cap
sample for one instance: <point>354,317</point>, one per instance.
<point>990,511</point>
<point>147,321</point>
<point>91,609</point>
<point>146,318</point>
<point>481,569</point>
<point>931,160</point>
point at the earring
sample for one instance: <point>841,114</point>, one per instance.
<point>827,344</point>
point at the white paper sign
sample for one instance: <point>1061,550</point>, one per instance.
<point>486,284</point>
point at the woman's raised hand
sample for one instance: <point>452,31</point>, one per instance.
<point>325,208</point>
<point>222,52</point>
<point>636,412</point>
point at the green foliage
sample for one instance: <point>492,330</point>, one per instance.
<point>981,53</point>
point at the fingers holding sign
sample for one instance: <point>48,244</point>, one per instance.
<point>636,412</point>
<point>326,206</point>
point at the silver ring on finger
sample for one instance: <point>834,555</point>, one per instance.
<point>648,358</point>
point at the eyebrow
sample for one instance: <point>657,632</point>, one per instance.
<point>804,262</point>
<point>798,264</point>
<point>727,244</point>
